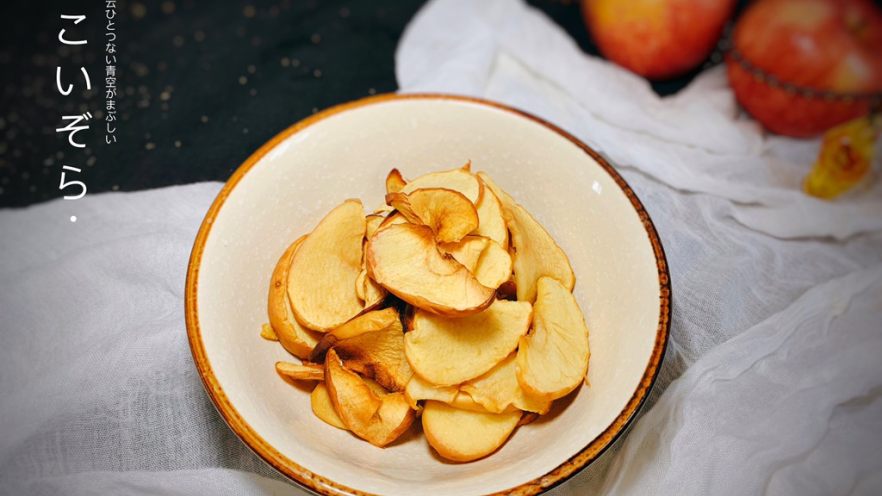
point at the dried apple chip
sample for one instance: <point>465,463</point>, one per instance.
<point>461,180</point>
<point>376,419</point>
<point>553,359</point>
<point>536,254</point>
<point>404,259</point>
<point>375,320</point>
<point>498,390</point>
<point>491,219</point>
<point>372,344</point>
<point>463,435</point>
<point>321,281</point>
<point>297,372</point>
<point>486,259</point>
<point>419,389</point>
<point>395,181</point>
<point>372,223</point>
<point>267,332</point>
<point>448,213</point>
<point>323,407</point>
<point>298,340</point>
<point>447,351</point>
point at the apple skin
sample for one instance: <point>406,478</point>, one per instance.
<point>657,39</point>
<point>809,45</point>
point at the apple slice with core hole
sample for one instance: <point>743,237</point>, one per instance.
<point>298,340</point>
<point>321,281</point>
<point>404,259</point>
<point>553,359</point>
<point>447,351</point>
<point>376,419</point>
<point>463,435</point>
<point>486,259</point>
<point>498,390</point>
<point>449,213</point>
<point>536,252</point>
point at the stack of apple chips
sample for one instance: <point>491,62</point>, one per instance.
<point>451,303</point>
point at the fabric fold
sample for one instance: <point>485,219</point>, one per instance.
<point>695,141</point>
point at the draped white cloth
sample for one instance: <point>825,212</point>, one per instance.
<point>773,376</point>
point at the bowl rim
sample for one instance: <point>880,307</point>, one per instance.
<point>322,485</point>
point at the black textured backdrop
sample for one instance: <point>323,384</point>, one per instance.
<point>202,83</point>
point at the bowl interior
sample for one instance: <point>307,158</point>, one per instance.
<point>347,155</point>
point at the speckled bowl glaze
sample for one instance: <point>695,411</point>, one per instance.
<point>285,187</point>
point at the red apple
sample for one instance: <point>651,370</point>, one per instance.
<point>803,66</point>
<point>657,39</point>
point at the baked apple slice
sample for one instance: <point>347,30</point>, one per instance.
<point>404,259</point>
<point>461,180</point>
<point>298,340</point>
<point>395,182</point>
<point>368,291</point>
<point>372,223</point>
<point>376,320</point>
<point>486,259</point>
<point>391,219</point>
<point>464,435</point>
<point>553,359</point>
<point>419,389</point>
<point>536,254</point>
<point>298,372</point>
<point>491,219</point>
<point>372,345</point>
<point>323,407</point>
<point>378,419</point>
<point>448,213</point>
<point>321,280</point>
<point>498,390</point>
<point>267,332</point>
<point>447,352</point>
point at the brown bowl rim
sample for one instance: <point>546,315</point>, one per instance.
<point>325,486</point>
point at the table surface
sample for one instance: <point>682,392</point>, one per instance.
<point>201,84</point>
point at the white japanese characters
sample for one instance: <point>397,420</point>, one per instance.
<point>72,189</point>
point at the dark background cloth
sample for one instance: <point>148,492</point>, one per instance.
<point>201,85</point>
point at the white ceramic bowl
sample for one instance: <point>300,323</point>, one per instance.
<point>282,190</point>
